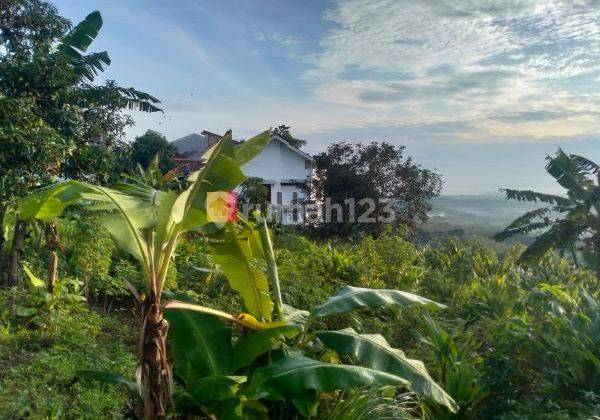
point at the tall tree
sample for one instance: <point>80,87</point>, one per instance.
<point>284,132</point>
<point>53,119</point>
<point>568,223</point>
<point>150,145</point>
<point>347,173</point>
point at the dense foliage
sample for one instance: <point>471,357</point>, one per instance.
<point>348,174</point>
<point>512,343</point>
<point>53,119</point>
<point>153,145</point>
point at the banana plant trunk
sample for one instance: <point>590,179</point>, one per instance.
<point>4,265</point>
<point>52,242</point>
<point>156,374</point>
<point>17,250</point>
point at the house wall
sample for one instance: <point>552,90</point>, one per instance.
<point>275,163</point>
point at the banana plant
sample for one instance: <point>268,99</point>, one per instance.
<point>565,221</point>
<point>231,377</point>
<point>147,224</point>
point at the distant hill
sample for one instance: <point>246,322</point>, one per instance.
<point>473,217</point>
<point>490,209</point>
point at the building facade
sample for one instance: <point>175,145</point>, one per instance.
<point>285,170</point>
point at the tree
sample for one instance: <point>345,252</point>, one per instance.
<point>53,119</point>
<point>147,224</point>
<point>568,224</point>
<point>27,26</point>
<point>347,173</point>
<point>284,132</point>
<point>149,145</point>
<point>253,191</point>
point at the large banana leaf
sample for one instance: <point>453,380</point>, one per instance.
<point>201,345</point>
<point>137,100</point>
<point>293,375</point>
<point>256,343</point>
<point>215,388</point>
<point>77,41</point>
<point>233,254</point>
<point>351,298</point>
<point>373,351</point>
<point>81,36</point>
<point>568,174</point>
<point>585,164</point>
<point>562,234</point>
<point>49,202</point>
<point>535,197</point>
<point>130,214</point>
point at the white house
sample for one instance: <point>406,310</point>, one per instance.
<point>286,171</point>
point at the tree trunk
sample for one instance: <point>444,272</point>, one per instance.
<point>52,272</point>
<point>16,253</point>
<point>156,374</point>
<point>52,243</point>
<point>4,265</point>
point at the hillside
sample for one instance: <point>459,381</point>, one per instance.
<point>473,217</point>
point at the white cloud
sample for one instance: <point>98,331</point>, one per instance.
<point>472,63</point>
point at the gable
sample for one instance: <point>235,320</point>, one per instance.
<point>278,160</point>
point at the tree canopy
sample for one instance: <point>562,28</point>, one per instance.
<point>347,173</point>
<point>152,144</point>
<point>53,119</point>
<point>284,132</point>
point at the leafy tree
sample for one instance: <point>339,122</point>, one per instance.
<point>53,120</point>
<point>27,26</point>
<point>347,173</point>
<point>284,132</point>
<point>149,145</point>
<point>254,192</point>
<point>568,224</point>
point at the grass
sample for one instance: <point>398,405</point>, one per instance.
<point>39,381</point>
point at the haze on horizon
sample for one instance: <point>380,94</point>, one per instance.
<point>481,91</point>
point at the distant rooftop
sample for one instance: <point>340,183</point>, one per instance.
<point>191,146</point>
<point>194,145</point>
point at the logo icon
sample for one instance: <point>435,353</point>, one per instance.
<point>221,207</point>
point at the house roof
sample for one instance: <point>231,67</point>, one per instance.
<point>292,148</point>
<point>193,146</point>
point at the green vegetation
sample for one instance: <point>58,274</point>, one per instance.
<point>570,224</point>
<point>133,302</point>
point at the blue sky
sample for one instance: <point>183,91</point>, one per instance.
<point>479,90</point>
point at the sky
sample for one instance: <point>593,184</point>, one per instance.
<point>479,90</point>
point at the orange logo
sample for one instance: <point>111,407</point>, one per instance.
<point>221,207</point>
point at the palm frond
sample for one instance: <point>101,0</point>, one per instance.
<point>88,66</point>
<point>75,44</point>
<point>365,404</point>
<point>139,101</point>
<point>585,164</point>
<point>568,174</point>
<point>528,217</point>
<point>521,230</point>
<point>535,197</point>
<point>81,36</point>
<point>562,234</point>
